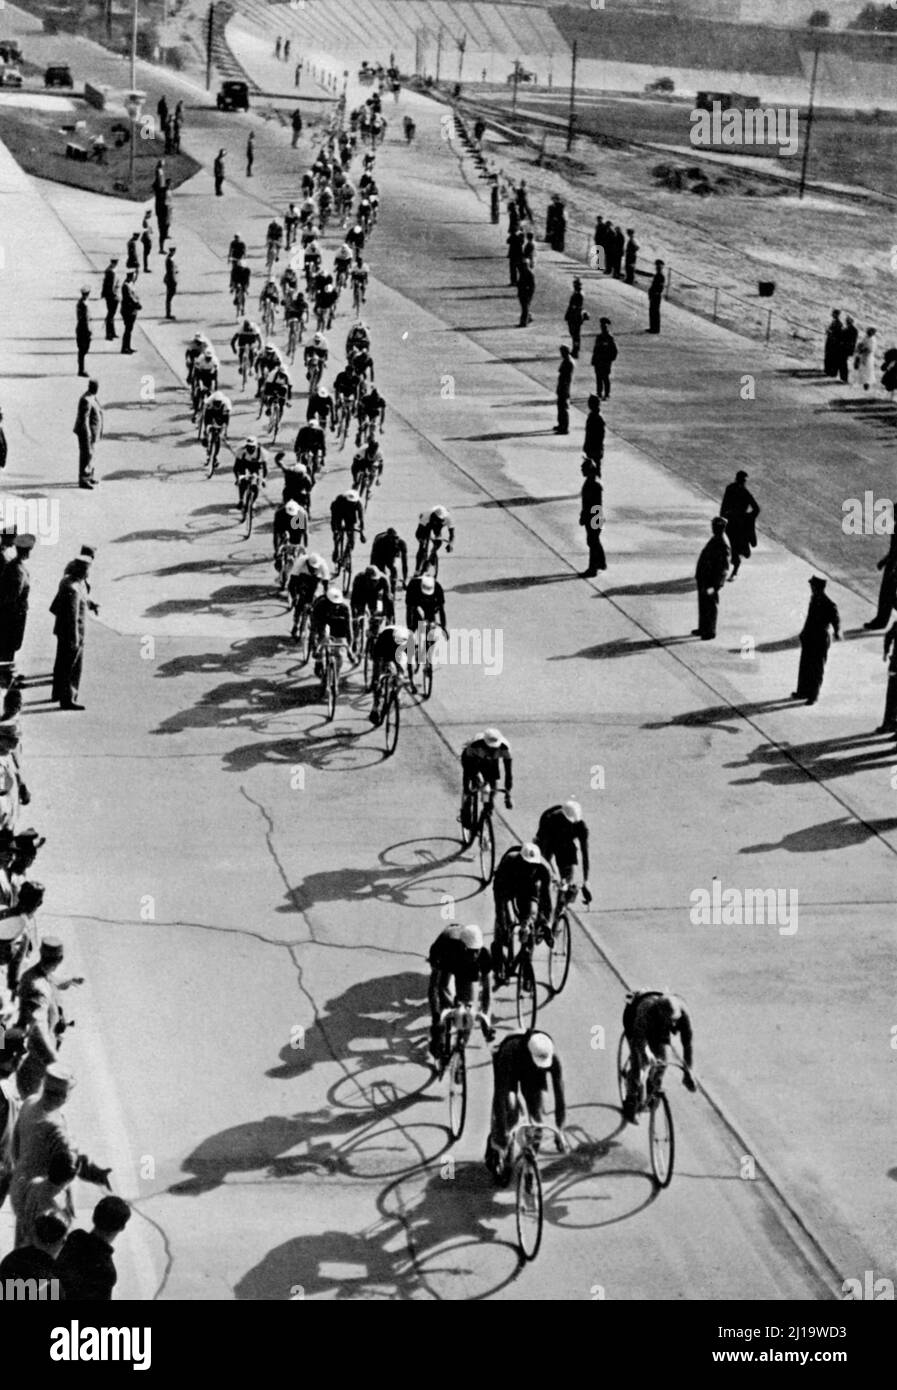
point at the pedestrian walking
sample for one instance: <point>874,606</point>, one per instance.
<point>710,576</point>
<point>83,334</point>
<point>849,336</point>
<point>889,718</point>
<point>130,307</point>
<point>516,241</point>
<point>110,294</point>
<point>618,247</point>
<point>146,242</point>
<point>218,172</point>
<point>591,517</point>
<point>296,123</point>
<point>132,257</point>
<point>655,295</point>
<point>15,588</point>
<point>821,624</point>
<point>887,589</point>
<point>831,355</point>
<point>630,256</point>
<point>864,359</point>
<point>604,355</point>
<point>297,74</point>
<point>556,223</point>
<point>576,316</point>
<point>740,509</point>
<point>162,110</point>
<point>593,440</point>
<point>564,383</point>
<point>89,429</point>
<point>250,153</point>
<point>526,288</point>
<point>171,280</point>
<point>69,609</point>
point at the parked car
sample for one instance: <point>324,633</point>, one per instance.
<point>10,51</point>
<point>58,75</point>
<point>10,76</point>
<point>234,96</point>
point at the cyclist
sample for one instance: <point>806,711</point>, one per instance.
<point>312,261</point>
<point>296,311</point>
<point>355,239</point>
<point>267,363</point>
<point>236,252</point>
<point>315,356</point>
<point>390,650</point>
<point>521,1067</point>
<point>482,760</point>
<point>359,276</point>
<point>365,213</point>
<point>289,284</point>
<point>424,604</point>
<point>561,830</point>
<point>358,336</point>
<point>371,413</point>
<point>309,576</point>
<point>362,364</point>
<point>311,444</point>
<point>277,389</point>
<point>367,460</point>
<point>274,241</point>
<point>309,208</point>
<point>345,390</point>
<point>342,263</point>
<point>197,346</point>
<point>240,277</point>
<point>249,463</point>
<point>370,594</point>
<point>217,412</point>
<point>459,974</point>
<point>205,380</point>
<point>325,303</point>
<point>269,299</point>
<point>247,339</point>
<point>331,619</point>
<point>291,224</point>
<point>432,529</point>
<point>290,525</point>
<point>346,517</point>
<point>325,204</point>
<point>388,549</point>
<point>651,1019</point>
<point>522,881</point>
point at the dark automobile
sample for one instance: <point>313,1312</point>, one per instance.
<point>234,96</point>
<point>58,75</point>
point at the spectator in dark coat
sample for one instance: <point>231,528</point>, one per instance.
<point>218,173</point>
<point>111,295</point>
<point>849,338</point>
<point>889,718</point>
<point>556,223</point>
<point>85,1265</point>
<point>516,242</point>
<point>4,448</point>
<point>591,517</point>
<point>710,576</point>
<point>630,256</point>
<point>655,295</point>
<point>618,246</point>
<point>83,334</point>
<point>831,357</point>
<point>604,355</point>
<point>69,609</point>
<point>130,307</point>
<point>526,288</point>
<point>593,442</point>
<point>38,1259</point>
<point>564,382</point>
<point>821,623</point>
<point>171,280</point>
<point>740,509</point>
<point>576,316</point>
<point>887,589</point>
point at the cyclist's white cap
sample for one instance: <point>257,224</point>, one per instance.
<point>271,346</point>
<point>572,810</point>
<point>531,853</point>
<point>440,512</point>
<point>401,635</point>
<point>471,937</point>
<point>317,563</point>
<point>335,594</point>
<point>352,495</point>
<point>493,737</point>
<point>292,508</point>
<point>541,1049</point>
<point>427,584</point>
<point>251,442</point>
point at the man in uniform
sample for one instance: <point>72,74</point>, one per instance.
<point>591,516</point>
<point>110,295</point>
<point>562,390</point>
<point>710,576</point>
<point>15,586</point>
<point>575,316</point>
<point>89,428</point>
<point>69,608</point>
<point>218,173</point>
<point>170,277</point>
<point>83,335</point>
<point>604,354</point>
<point>822,621</point>
<point>593,441</point>
<point>655,295</point>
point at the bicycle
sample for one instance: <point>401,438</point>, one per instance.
<point>213,447</point>
<point>240,301</point>
<point>365,485</point>
<point>524,1168</point>
<point>345,545</point>
<point>415,662</point>
<point>480,804</point>
<point>661,1134</point>
<point>273,408</point>
<point>359,293</point>
<point>332,650</point>
<point>457,1023</point>
<point>301,632</point>
<point>250,498</point>
<point>287,552</point>
<point>272,255</point>
<point>558,937</point>
<point>371,626</point>
<point>427,558</point>
<point>247,362</point>
<point>342,419</point>
<point>294,336</point>
<point>268,318</point>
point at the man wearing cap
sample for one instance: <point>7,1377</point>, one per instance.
<point>42,1131</point>
<point>218,173</point>
<point>130,307</point>
<point>170,277</point>
<point>655,295</point>
<point>482,760</point>
<point>630,256</point>
<point>111,296</point>
<point>69,609</point>
<point>88,427</point>
<point>424,603</point>
<point>710,576</point>
<point>740,509</point>
<point>40,1016</point>
<point>821,623</point>
<point>83,334</point>
<point>522,1066</point>
<point>15,587</point>
<point>562,390</point>
<point>85,1265</point>
<point>591,517</point>
<point>526,288</point>
<point>522,881</point>
<point>651,1019</point>
<point>593,439</point>
<point>85,559</point>
<point>575,316</point>
<point>563,836</point>
<point>459,974</point>
<point>604,355</point>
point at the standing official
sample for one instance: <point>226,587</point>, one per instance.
<point>604,355</point>
<point>83,334</point>
<point>526,288</point>
<point>821,623</point>
<point>564,382</point>
<point>110,294</point>
<point>576,316</point>
<point>15,587</point>
<point>130,307</point>
<point>146,240</point>
<point>710,576</point>
<point>655,295</point>
<point>250,153</point>
<point>516,241</point>
<point>593,440</point>
<point>69,608</point>
<point>171,280</point>
<point>89,428</point>
<point>591,516</point>
<point>132,254</point>
<point>218,173</point>
<point>630,256</point>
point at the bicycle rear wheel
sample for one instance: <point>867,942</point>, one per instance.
<point>529,1206</point>
<point>457,1091</point>
<point>624,1062</point>
<point>487,850</point>
<point>391,722</point>
<point>427,683</point>
<point>527,1006</point>
<point>330,688</point>
<point>368,663</point>
<point>662,1140</point>
<point>347,567</point>
<point>559,955</point>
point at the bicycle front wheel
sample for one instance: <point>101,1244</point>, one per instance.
<point>428,678</point>
<point>624,1062</point>
<point>662,1140</point>
<point>527,1006</point>
<point>487,850</point>
<point>559,955</point>
<point>304,637</point>
<point>391,723</point>
<point>529,1206</point>
<point>330,687</point>
<point>250,512</point>
<point>457,1091</point>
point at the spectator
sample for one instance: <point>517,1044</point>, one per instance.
<point>529,250</point>
<point>598,241</point>
<point>69,609</point>
<point>132,257</point>
<point>89,429</point>
<point>516,242</point>
<point>740,509</point>
<point>218,173</point>
<point>889,718</point>
<point>286,50</point>
<point>85,1265</point>
<point>49,1194</point>
<point>4,448</point>
<point>655,295</point>
<point>604,355</point>
<point>83,335</point>
<point>710,576</point>
<point>849,337</point>
<point>591,517</point>
<point>37,1259</point>
<point>250,153</point>
<point>110,294</point>
<point>556,223</point>
<point>831,357</point>
<point>12,1045</point>
<point>864,360</point>
<point>130,307</point>
<point>522,199</point>
<point>821,622</point>
<point>617,247</point>
<point>296,123</point>
<point>146,241</point>
<point>171,280</point>
<point>593,442</point>
<point>41,1017</point>
<point>565,379</point>
<point>15,587</point>
<point>576,316</point>
<point>526,288</point>
<point>631,256</point>
<point>887,589</point>
<point>162,110</point>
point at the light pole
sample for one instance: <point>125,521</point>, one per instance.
<point>134,108</point>
<point>134,47</point>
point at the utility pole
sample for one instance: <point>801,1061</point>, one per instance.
<point>462,45</point>
<point>516,80</point>
<point>209,31</point>
<point>438,53</point>
<point>572,119</point>
<point>803,165</point>
<point>134,47</point>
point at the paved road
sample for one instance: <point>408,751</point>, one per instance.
<point>252,892</point>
